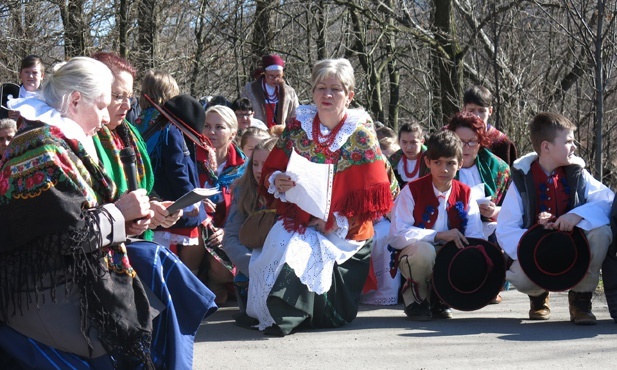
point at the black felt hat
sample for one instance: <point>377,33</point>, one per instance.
<point>8,91</point>
<point>554,260</point>
<point>468,279</point>
<point>187,109</point>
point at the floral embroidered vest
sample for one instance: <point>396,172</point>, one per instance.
<point>426,207</point>
<point>552,191</point>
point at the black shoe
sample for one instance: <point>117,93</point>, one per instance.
<point>274,331</point>
<point>441,311</point>
<point>245,321</point>
<point>419,311</point>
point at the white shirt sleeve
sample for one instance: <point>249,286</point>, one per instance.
<point>510,222</point>
<point>474,228</point>
<point>595,212</point>
<point>402,229</point>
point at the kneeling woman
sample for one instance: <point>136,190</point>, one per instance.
<point>310,272</point>
<point>65,279</point>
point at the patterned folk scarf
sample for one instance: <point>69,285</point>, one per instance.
<point>50,192</point>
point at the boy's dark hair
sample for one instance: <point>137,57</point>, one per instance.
<point>242,104</point>
<point>412,126</point>
<point>546,126</point>
<point>478,95</point>
<point>219,100</point>
<point>444,144</point>
<point>31,61</point>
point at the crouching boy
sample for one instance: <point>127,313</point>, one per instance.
<point>428,213</point>
<point>552,186</point>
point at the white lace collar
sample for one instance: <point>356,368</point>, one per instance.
<point>306,113</point>
<point>35,109</point>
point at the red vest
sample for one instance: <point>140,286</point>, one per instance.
<point>426,208</point>
<point>552,191</point>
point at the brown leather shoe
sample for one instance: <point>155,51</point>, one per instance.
<point>580,308</point>
<point>539,308</point>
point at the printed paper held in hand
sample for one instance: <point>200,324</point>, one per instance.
<point>313,190</point>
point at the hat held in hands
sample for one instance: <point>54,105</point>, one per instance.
<point>554,260</point>
<point>468,279</point>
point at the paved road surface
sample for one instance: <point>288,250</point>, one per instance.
<point>495,337</point>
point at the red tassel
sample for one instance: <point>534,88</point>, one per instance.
<point>366,204</point>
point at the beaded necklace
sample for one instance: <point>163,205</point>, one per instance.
<point>412,174</point>
<point>329,138</point>
<point>270,97</point>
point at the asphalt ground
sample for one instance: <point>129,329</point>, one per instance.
<point>381,337</point>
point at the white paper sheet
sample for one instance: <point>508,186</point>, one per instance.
<point>477,193</point>
<point>313,190</point>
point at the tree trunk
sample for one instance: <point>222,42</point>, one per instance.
<point>147,31</point>
<point>262,31</point>
<point>393,74</point>
<point>201,40</point>
<point>449,77</point>
<point>599,82</point>
<point>370,70</point>
<point>123,26</point>
<point>74,28</point>
<point>321,29</point>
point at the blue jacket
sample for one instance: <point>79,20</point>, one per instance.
<point>175,171</point>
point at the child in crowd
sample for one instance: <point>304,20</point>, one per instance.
<point>246,200</point>
<point>31,74</point>
<point>387,140</point>
<point>250,138</point>
<point>428,213</point>
<point>244,113</point>
<point>160,87</point>
<point>407,161</point>
<point>479,101</point>
<point>553,180</point>
<point>8,128</point>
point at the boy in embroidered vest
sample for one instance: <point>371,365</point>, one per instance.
<point>428,213</point>
<point>553,180</point>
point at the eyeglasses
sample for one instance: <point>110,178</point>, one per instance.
<point>120,97</point>
<point>470,144</point>
<point>244,114</point>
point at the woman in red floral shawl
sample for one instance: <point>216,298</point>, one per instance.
<point>311,271</point>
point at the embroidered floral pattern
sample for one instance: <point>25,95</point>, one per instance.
<point>38,172</point>
<point>356,146</point>
<point>118,261</point>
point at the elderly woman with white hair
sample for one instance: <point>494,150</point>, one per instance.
<point>311,271</point>
<point>66,284</point>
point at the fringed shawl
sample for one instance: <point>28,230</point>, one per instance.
<point>361,187</point>
<point>50,192</point>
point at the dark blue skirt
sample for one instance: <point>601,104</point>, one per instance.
<point>186,300</point>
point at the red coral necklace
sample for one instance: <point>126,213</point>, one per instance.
<point>270,97</point>
<point>414,172</point>
<point>329,137</point>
